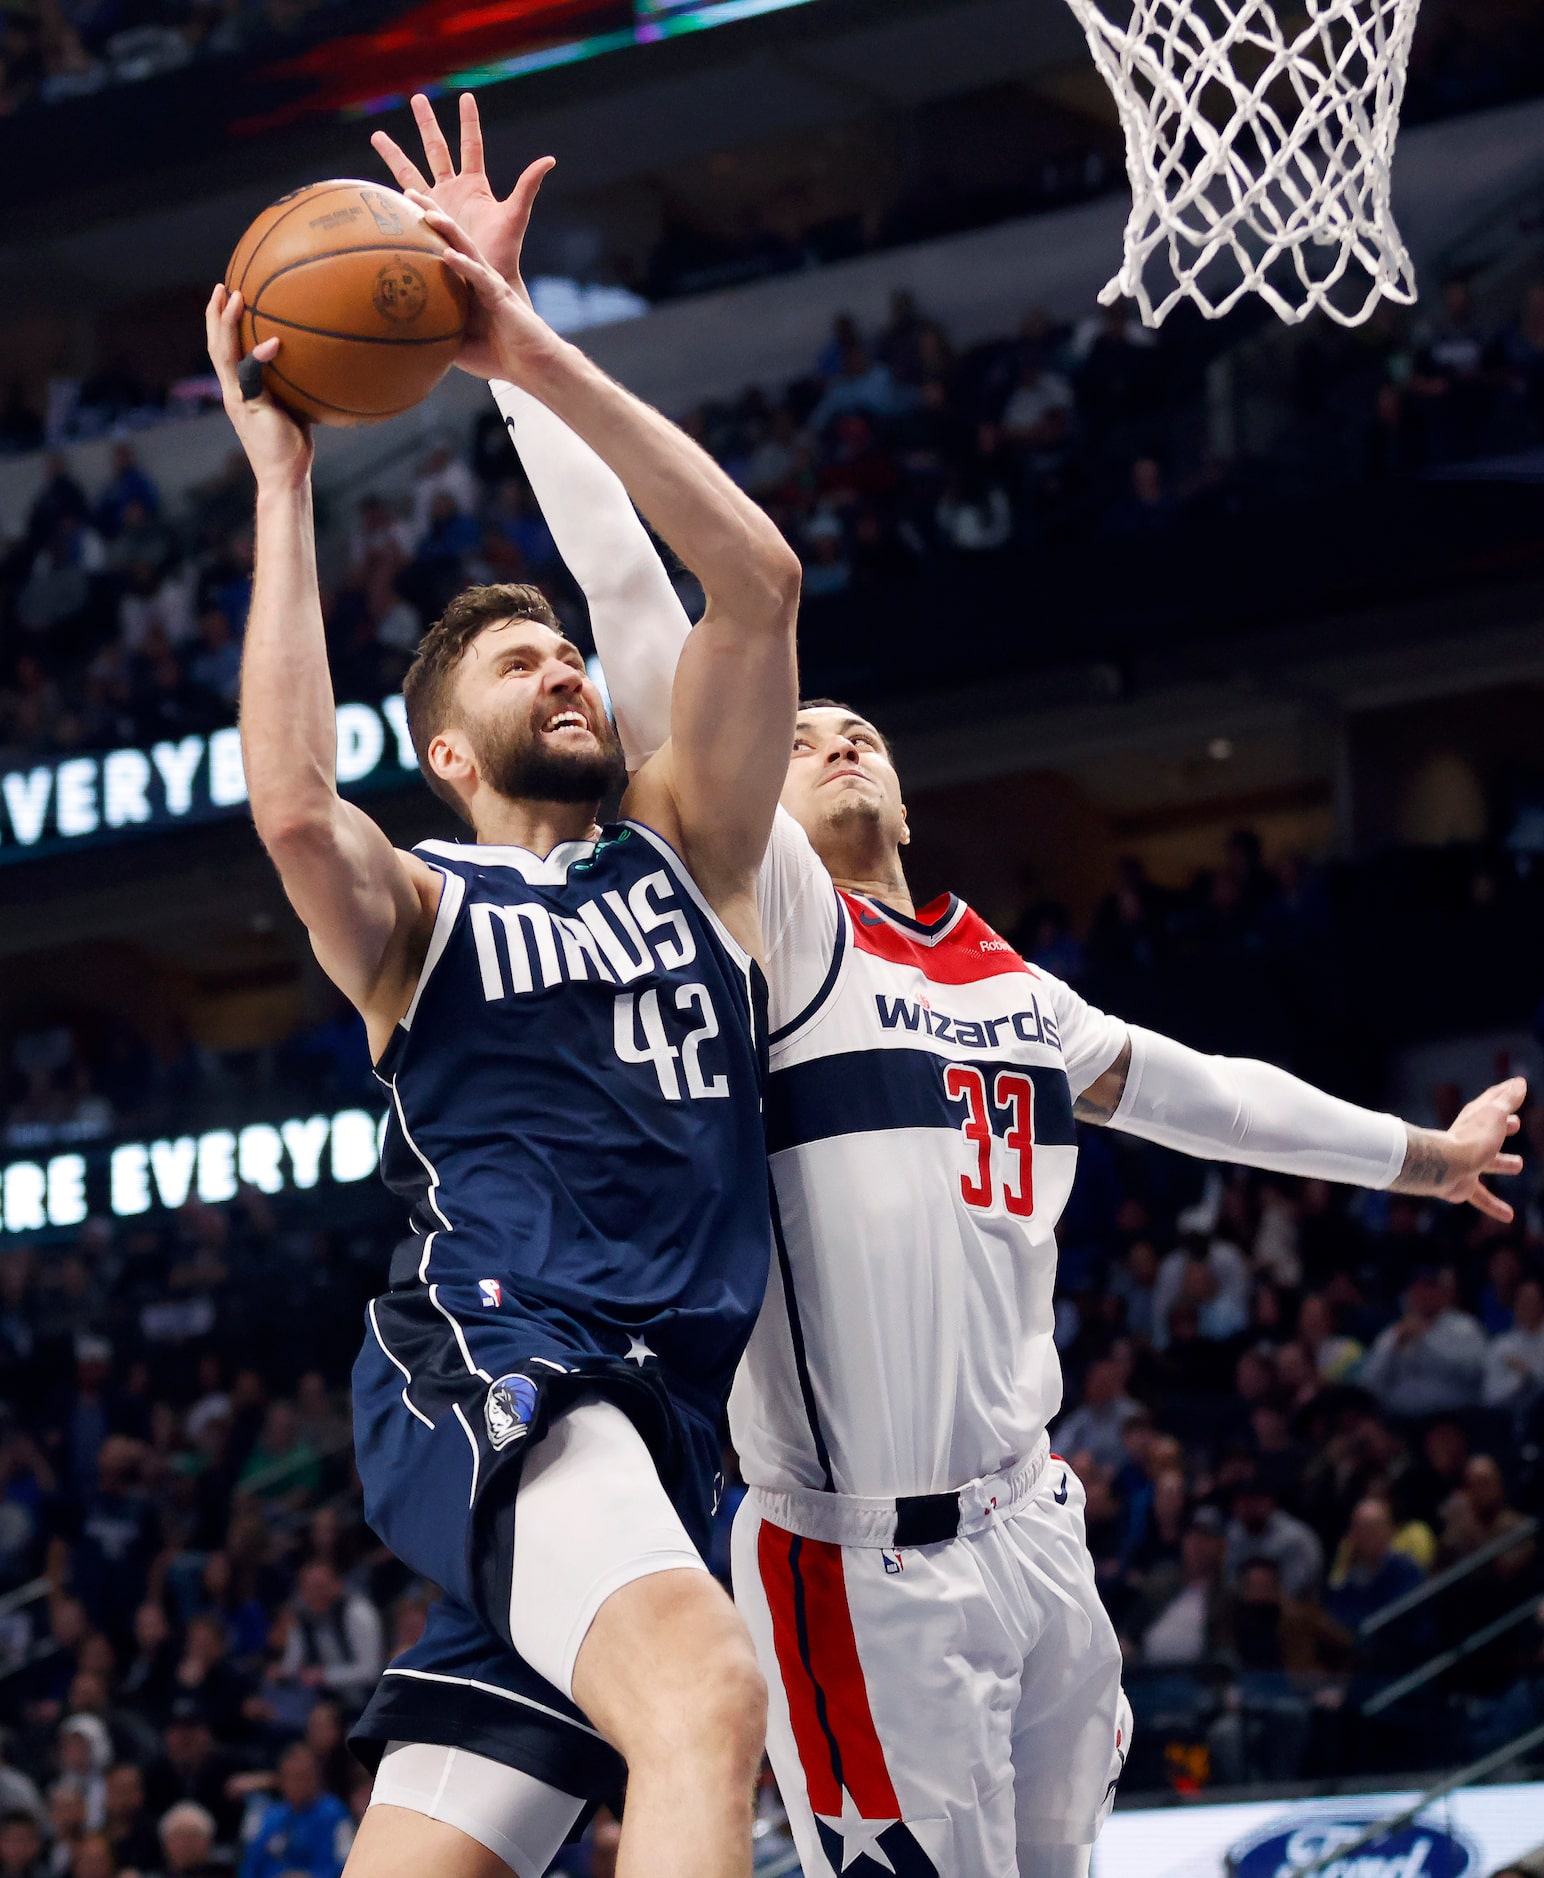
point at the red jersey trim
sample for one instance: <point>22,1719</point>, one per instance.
<point>966,951</point>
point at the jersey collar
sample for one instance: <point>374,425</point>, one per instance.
<point>933,922</point>
<point>535,869</point>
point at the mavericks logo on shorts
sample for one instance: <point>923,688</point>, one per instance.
<point>508,1410</point>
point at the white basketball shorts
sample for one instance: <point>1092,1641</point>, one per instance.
<point>942,1709</point>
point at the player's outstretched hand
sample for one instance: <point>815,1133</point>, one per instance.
<point>504,333</point>
<point>1448,1163</point>
<point>498,228</point>
<point>278,446</point>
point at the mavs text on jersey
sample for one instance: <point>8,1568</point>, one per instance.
<point>575,1124</point>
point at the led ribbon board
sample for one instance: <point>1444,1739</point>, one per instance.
<point>71,802</point>
<point>130,1178</point>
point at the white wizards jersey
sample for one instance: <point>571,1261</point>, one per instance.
<point>919,1118</point>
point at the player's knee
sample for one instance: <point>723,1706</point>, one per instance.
<point>737,1704</point>
<point>717,1710</point>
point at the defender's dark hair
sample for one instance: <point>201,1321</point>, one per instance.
<point>836,704</point>
<point>426,690</point>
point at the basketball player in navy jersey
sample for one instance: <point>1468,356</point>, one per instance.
<point>566,1022</point>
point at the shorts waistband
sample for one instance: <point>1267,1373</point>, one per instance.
<point>912,1519</point>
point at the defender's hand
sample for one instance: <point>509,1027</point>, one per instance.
<point>278,446</point>
<point>498,228</point>
<point>503,329</point>
<point>1447,1163</point>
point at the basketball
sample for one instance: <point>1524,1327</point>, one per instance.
<point>349,276</point>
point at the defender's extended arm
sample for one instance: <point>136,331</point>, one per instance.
<point>1236,1109</point>
<point>639,624</point>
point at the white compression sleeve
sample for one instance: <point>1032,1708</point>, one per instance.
<point>1228,1108</point>
<point>639,624</point>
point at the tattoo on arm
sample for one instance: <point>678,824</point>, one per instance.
<point>1426,1167</point>
<point>1101,1098</point>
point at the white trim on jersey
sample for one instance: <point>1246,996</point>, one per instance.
<point>460,1336</point>
<point>392,1357</point>
<point>451,895</point>
<point>471,1442</point>
<point>679,868</point>
<point>492,1688</point>
<point>537,870</point>
<point>430,1169</point>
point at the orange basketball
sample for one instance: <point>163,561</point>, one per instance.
<point>349,276</point>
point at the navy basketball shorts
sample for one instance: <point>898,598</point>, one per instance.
<point>528,1493</point>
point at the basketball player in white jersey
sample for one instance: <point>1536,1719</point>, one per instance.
<point>910,1557</point>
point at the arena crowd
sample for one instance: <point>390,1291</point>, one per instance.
<point>896,459</point>
<point>1291,1406</point>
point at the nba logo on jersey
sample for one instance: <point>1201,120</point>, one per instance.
<point>511,1404</point>
<point>491,1292</point>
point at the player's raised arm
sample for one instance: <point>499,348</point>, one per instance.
<point>732,709</point>
<point>367,907</point>
<point>1235,1109</point>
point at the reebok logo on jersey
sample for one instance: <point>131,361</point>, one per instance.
<point>491,1292</point>
<point>508,1410</point>
<point>1031,1026</point>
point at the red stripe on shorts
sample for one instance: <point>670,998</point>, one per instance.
<point>773,1547</point>
<point>832,1719</point>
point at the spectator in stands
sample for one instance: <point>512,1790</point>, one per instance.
<point>442,474</point>
<point>1260,1529</point>
<point>1181,1615</point>
<point>861,383</point>
<point>1210,1274</point>
<point>335,1637</point>
<point>127,487</point>
<point>187,1835</point>
<point>1432,1360</point>
<point>21,1846</point>
<point>119,1537</point>
<point>305,1830</point>
<point>18,1791</point>
<point>283,1466</point>
<point>1094,1427</point>
<point>1333,1355</point>
<point>127,1823</point>
<point>66,1825</point>
<point>1477,1515</point>
<point>1144,509</point>
<point>1514,1362</point>
<point>1367,1575</point>
<point>84,1751</point>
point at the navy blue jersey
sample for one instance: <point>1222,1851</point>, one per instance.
<point>576,1106</point>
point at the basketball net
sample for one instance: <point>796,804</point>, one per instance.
<point>1258,143</point>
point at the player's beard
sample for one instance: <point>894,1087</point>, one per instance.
<point>518,762</point>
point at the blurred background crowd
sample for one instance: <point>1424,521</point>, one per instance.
<point>1212,661</point>
<point>989,472</point>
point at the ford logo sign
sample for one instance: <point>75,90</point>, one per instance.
<point>1287,1848</point>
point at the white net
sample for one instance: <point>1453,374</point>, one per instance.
<point>1258,143</point>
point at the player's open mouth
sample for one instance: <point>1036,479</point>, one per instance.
<point>565,720</point>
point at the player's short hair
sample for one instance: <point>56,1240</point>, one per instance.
<point>426,690</point>
<point>836,704</point>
